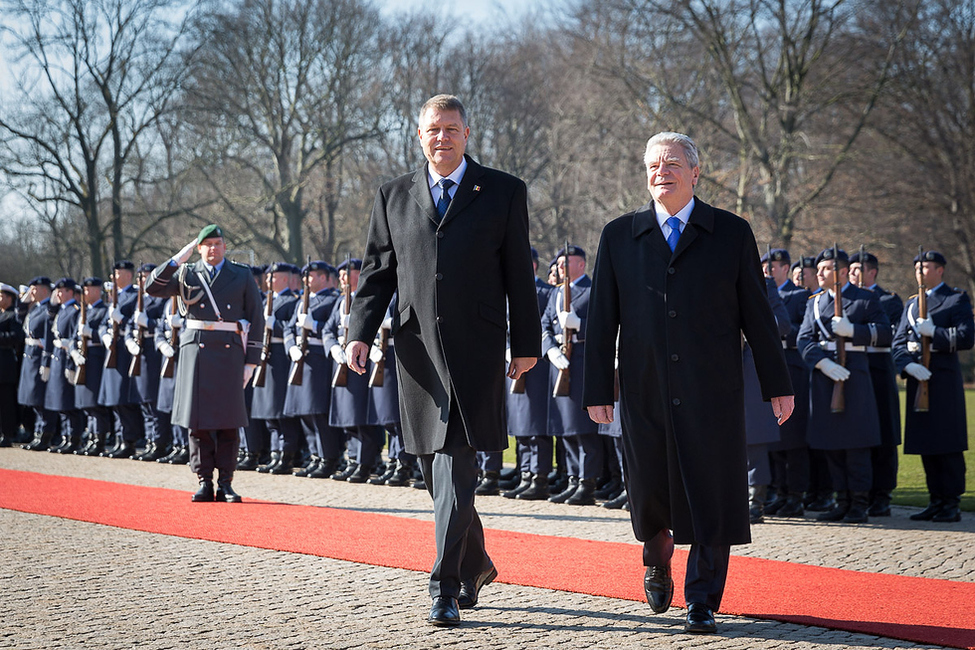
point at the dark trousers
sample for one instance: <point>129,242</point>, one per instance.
<point>150,421</point>
<point>72,424</point>
<point>820,479</point>
<point>759,467</point>
<point>584,455</point>
<point>850,469</point>
<point>99,421</point>
<point>542,450</point>
<point>790,470</point>
<point>397,448</point>
<point>164,429</point>
<point>451,476</point>
<point>257,436</point>
<point>707,568</point>
<point>945,474</point>
<point>323,440</point>
<point>490,461</point>
<point>128,421</point>
<point>215,449</point>
<point>45,421</point>
<point>9,411</point>
<point>370,439</point>
<point>883,458</point>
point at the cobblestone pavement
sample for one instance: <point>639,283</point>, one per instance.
<point>68,584</point>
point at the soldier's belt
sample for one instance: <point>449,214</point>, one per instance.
<point>786,346</point>
<point>871,348</point>
<point>277,339</point>
<point>831,346</point>
<point>575,339</point>
<point>210,325</point>
<point>35,342</point>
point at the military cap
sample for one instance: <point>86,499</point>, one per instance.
<point>869,257</point>
<point>281,267</point>
<point>91,282</point>
<point>778,255</point>
<point>6,288</point>
<point>66,283</point>
<point>147,268</point>
<point>318,265</point>
<point>258,270</point>
<point>572,250</point>
<point>827,254</point>
<point>535,254</point>
<point>42,280</point>
<point>931,256</point>
<point>353,264</point>
<point>124,265</point>
<point>211,230</point>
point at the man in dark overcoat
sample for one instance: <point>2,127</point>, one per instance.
<point>452,238</point>
<point>219,347</point>
<point>680,281</point>
<point>11,347</point>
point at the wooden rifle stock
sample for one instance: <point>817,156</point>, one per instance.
<point>378,376</point>
<point>260,374</point>
<point>838,402</point>
<point>518,385</point>
<point>169,363</point>
<point>298,367</point>
<point>561,388</point>
<point>922,396</point>
<point>341,377</point>
<point>135,366</point>
<point>111,354</point>
<point>79,374</point>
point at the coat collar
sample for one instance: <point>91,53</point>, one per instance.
<point>645,221</point>
<point>467,191</point>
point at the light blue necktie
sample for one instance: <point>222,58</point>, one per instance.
<point>444,202</point>
<point>674,236</point>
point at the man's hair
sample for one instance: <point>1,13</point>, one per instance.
<point>679,139</point>
<point>444,103</point>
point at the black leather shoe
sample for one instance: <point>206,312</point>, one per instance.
<point>570,489</point>
<point>360,475</point>
<point>205,493</point>
<point>182,457</point>
<point>949,514</point>
<point>312,465</point>
<point>325,468</point>
<point>225,493</point>
<point>618,502</point>
<point>346,473</point>
<point>488,487</point>
<point>248,463</point>
<point>444,612</point>
<point>583,496</point>
<point>792,508</point>
<point>659,587</point>
<point>401,476</point>
<point>929,513</point>
<point>538,490</point>
<point>470,589</point>
<point>700,619</point>
<point>385,476</point>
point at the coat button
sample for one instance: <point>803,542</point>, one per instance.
<point>439,235</point>
<point>671,270</point>
<point>203,345</point>
<point>439,319</point>
<point>440,276</point>
<point>672,313</point>
<point>675,402</point>
<point>227,346</point>
<point>674,357</point>
<point>203,305</point>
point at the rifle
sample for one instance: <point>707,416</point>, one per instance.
<point>378,376</point>
<point>169,363</point>
<point>111,355</point>
<point>135,367</point>
<point>261,373</point>
<point>298,367</point>
<point>863,267</point>
<point>838,403</point>
<point>922,397</point>
<point>341,377</point>
<point>561,388</point>
<point>79,373</point>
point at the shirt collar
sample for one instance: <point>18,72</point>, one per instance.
<point>684,214</point>
<point>433,177</point>
<point>215,268</point>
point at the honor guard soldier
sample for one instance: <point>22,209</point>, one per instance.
<point>267,403</point>
<point>938,433</point>
<point>59,394</point>
<point>167,342</point>
<point>804,274</point>
<point>140,334</point>
<point>219,347</point>
<point>847,432</point>
<point>863,273</point>
<point>528,416</point>
<point>34,372</point>
<point>567,417</point>
<point>88,354</point>
<point>117,391</point>
<point>255,439</point>
<point>790,456</point>
<point>309,398</point>
<point>11,347</point>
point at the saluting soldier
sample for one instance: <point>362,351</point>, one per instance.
<point>790,455</point>
<point>940,434</point>
<point>180,452</point>
<point>567,417</point>
<point>220,345</point>
<point>884,456</point>
<point>34,373</point>
<point>846,436</point>
<point>11,347</point>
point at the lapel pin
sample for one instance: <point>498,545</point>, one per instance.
<point>477,188</point>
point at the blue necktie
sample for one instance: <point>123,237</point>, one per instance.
<point>674,236</point>
<point>444,202</point>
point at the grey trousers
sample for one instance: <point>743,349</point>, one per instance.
<point>211,450</point>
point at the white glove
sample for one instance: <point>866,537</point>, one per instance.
<point>305,321</point>
<point>248,373</point>
<point>107,340</point>
<point>45,373</point>
<point>925,327</point>
<point>78,358</point>
<point>559,360</point>
<point>269,322</point>
<point>166,349</point>
<point>115,314</point>
<point>58,344</point>
<point>833,370</point>
<point>375,354</point>
<point>917,371</point>
<point>175,321</point>
<point>507,355</point>
<point>569,321</point>
<point>295,353</point>
<point>842,326</point>
<point>84,330</point>
<point>184,255</point>
<point>345,321</point>
<point>140,319</point>
<point>338,354</point>
<point>387,323</point>
<point>132,347</point>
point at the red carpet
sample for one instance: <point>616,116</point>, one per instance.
<point>921,610</point>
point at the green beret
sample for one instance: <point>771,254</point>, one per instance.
<point>213,230</point>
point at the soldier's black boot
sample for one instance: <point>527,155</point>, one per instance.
<point>385,476</point>
<point>401,475</point>
<point>879,504</point>
<point>569,490</point>
<point>611,490</point>
<point>488,485</point>
<point>248,463</point>
<point>793,506</point>
<point>205,493</point>
<point>857,514</point>
<point>325,468</point>
<point>275,461</point>
<point>125,450</point>
<point>361,474</point>
<point>618,502</point>
<point>63,444</point>
<point>526,482</point>
<point>950,511</point>
<point>225,493</point>
<point>312,465</point>
<point>116,445</point>
<point>146,452</point>
<point>285,465</point>
<point>777,503</point>
<point>349,470</point>
<point>839,509</point>
<point>934,507</point>
<point>4,441</point>
<point>756,504</point>
<point>538,490</point>
<point>584,494</point>
<point>182,457</point>
<point>41,442</point>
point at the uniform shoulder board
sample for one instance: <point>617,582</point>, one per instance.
<point>811,296</point>
<point>913,297</point>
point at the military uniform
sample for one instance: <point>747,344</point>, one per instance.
<point>38,342</point>
<point>145,385</point>
<point>940,435</point>
<point>11,349</point>
<point>98,418</point>
<point>162,341</point>
<point>59,394</point>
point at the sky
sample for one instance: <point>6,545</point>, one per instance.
<point>474,11</point>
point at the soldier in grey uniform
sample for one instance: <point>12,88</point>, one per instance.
<point>59,394</point>
<point>99,417</point>
<point>38,341</point>
<point>219,347</point>
<point>11,347</point>
<point>140,333</point>
<point>180,453</point>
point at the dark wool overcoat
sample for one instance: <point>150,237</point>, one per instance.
<point>680,318</point>
<point>454,279</point>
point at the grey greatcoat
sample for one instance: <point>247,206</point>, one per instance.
<point>453,278</point>
<point>209,376</point>
<point>38,342</point>
<point>680,317</point>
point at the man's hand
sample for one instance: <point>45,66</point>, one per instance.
<point>133,347</point>
<point>141,319</point>
<point>521,365</point>
<point>357,353</point>
<point>269,322</point>
<point>569,320</point>
<point>842,326</point>
<point>925,327</point>
<point>295,353</point>
<point>376,354</point>
<point>917,371</point>
<point>782,407</point>
<point>833,370</point>
<point>248,372</point>
<point>338,354</point>
<point>183,256</point>
<point>78,358</point>
<point>601,414</point>
<point>559,360</point>
<point>166,349</point>
<point>45,373</point>
<point>305,321</point>
<point>84,330</point>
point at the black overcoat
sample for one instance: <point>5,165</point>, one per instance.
<point>11,346</point>
<point>680,318</point>
<point>454,279</point>
<point>792,434</point>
